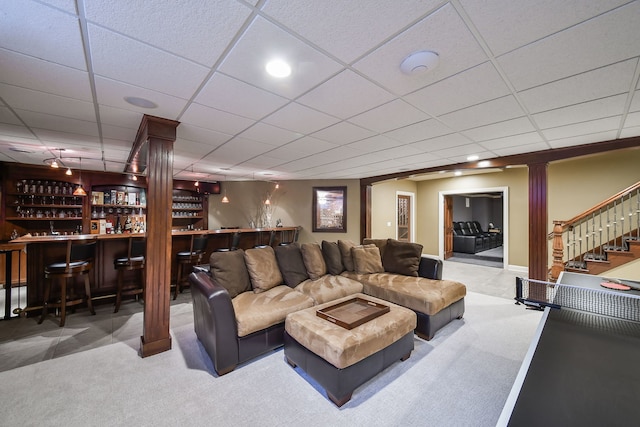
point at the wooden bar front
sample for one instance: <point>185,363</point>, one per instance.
<point>43,250</point>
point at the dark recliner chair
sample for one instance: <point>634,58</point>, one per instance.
<point>476,228</point>
<point>465,242</point>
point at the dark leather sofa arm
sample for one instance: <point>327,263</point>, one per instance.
<point>430,267</point>
<point>214,321</point>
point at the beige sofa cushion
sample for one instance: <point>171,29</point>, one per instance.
<point>366,259</point>
<point>313,260</point>
<point>417,293</point>
<point>345,249</point>
<point>329,288</point>
<point>257,311</point>
<point>343,347</point>
<point>263,268</point>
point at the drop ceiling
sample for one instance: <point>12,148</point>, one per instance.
<point>514,76</point>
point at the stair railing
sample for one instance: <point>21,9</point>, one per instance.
<point>607,226</point>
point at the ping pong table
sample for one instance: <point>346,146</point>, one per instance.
<point>583,365</point>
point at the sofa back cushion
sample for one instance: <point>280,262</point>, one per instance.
<point>291,264</point>
<point>229,270</point>
<point>332,257</point>
<point>366,259</point>
<point>345,250</point>
<point>402,257</point>
<point>380,243</point>
<point>263,268</point>
<point>313,260</point>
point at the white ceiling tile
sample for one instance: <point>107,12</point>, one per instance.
<point>231,95</point>
<point>351,32</point>
<point>389,116</point>
<point>582,139</point>
<point>118,133</point>
<point>343,133</point>
<point>512,141</point>
<point>600,83</point>
<point>500,130</point>
<point>607,39</point>
<point>632,120</point>
<point>606,107</point>
<point>117,57</point>
<point>346,95</point>
<point>460,90</point>
<point>420,131</point>
<point>584,128</point>
<point>112,93</point>
<point>210,118</point>
<point>58,123</point>
<point>271,135</point>
<point>459,152</point>
<point>38,74</point>
<point>201,135</point>
<point>500,109</point>
<point>20,31</point>
<point>263,42</point>
<point>42,102</point>
<point>630,132</point>
<point>441,142</point>
<point>239,150</point>
<point>518,149</point>
<point>185,147</point>
<point>533,20</point>
<point>433,33</point>
<point>120,117</point>
<point>375,143</point>
<point>7,116</point>
<point>299,118</point>
<point>309,145</point>
<point>199,31</point>
<point>635,101</point>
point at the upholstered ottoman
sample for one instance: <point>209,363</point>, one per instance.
<point>342,359</point>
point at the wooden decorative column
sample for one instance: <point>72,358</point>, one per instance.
<point>365,210</point>
<point>538,252</point>
<point>159,135</point>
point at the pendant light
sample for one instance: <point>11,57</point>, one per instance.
<point>79,191</point>
<point>225,199</point>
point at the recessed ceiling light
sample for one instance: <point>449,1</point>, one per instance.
<point>484,163</point>
<point>457,173</point>
<point>140,102</point>
<point>278,68</point>
<point>473,157</point>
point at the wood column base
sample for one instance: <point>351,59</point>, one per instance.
<point>154,347</point>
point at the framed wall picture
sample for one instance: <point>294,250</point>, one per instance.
<point>330,209</point>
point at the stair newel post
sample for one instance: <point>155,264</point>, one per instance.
<point>615,226</point>
<point>638,214</point>
<point>600,233</point>
<point>558,251</point>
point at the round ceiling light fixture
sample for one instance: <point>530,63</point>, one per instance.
<point>140,102</point>
<point>278,68</point>
<point>419,62</point>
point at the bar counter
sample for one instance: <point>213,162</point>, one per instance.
<point>44,250</point>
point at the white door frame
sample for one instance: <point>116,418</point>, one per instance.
<point>505,217</point>
<point>412,198</point>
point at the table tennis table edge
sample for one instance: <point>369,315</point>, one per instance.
<point>510,403</point>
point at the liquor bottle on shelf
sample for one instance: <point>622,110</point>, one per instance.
<point>118,226</point>
<point>127,225</point>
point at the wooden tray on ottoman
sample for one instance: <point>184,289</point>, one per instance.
<point>353,312</point>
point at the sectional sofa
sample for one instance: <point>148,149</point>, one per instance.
<point>240,304</point>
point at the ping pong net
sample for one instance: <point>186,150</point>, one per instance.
<point>539,294</point>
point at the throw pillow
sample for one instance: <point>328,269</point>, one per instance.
<point>230,271</point>
<point>313,260</point>
<point>345,249</point>
<point>366,259</point>
<point>332,257</point>
<point>291,264</point>
<point>380,243</point>
<point>402,257</point>
<point>263,268</point>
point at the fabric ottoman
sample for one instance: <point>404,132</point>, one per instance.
<point>341,359</point>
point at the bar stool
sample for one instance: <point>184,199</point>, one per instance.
<point>193,256</point>
<point>79,261</point>
<point>134,261</point>
<point>233,244</point>
<point>293,239</point>
<point>259,242</point>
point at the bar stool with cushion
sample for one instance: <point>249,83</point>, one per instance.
<point>233,244</point>
<point>133,261</point>
<point>78,262</point>
<point>193,256</point>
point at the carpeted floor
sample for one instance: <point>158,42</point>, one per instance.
<point>462,377</point>
<point>489,258</point>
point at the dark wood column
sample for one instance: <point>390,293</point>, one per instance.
<point>159,135</point>
<point>365,211</point>
<point>538,252</point>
